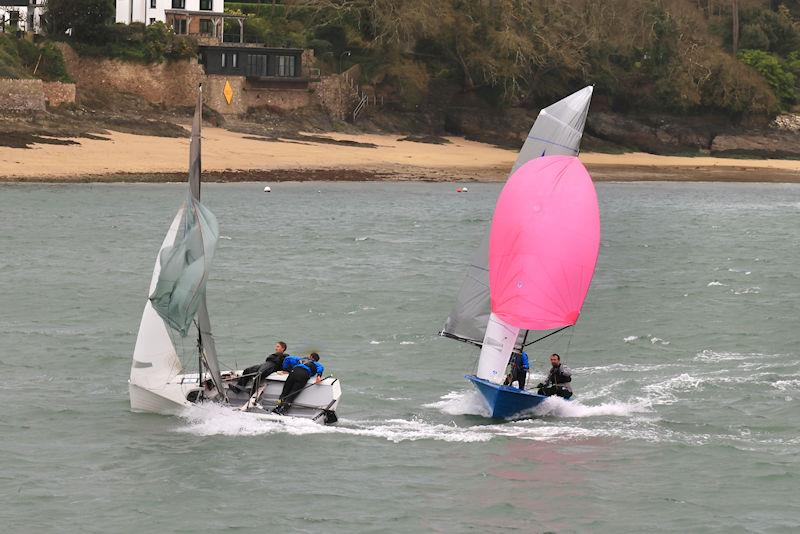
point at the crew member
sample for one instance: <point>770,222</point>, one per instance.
<point>519,369</point>
<point>300,370</point>
<point>274,362</point>
<point>559,380</point>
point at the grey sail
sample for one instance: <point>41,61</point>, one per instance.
<point>557,131</point>
<point>207,344</point>
<point>179,296</point>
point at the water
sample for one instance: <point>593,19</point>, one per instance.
<point>686,366</point>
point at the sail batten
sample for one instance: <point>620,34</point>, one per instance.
<point>557,131</point>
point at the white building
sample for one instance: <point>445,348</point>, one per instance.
<point>203,18</point>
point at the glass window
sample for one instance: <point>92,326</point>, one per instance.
<point>234,60</point>
<point>224,60</point>
<point>206,5</point>
<point>206,27</point>
<point>178,4</point>
<point>286,65</point>
<point>179,26</point>
<point>153,4</point>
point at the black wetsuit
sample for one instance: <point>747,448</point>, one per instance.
<point>274,362</point>
<point>558,382</point>
<point>519,369</point>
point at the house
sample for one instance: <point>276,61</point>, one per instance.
<point>201,18</point>
<point>259,65</point>
<point>21,15</point>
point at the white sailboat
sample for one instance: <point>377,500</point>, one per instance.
<point>159,383</point>
<point>557,131</point>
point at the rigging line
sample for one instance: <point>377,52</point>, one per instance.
<point>546,336</point>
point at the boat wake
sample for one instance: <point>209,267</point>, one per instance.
<point>469,402</point>
<point>210,420</point>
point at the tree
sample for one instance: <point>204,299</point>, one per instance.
<point>88,19</point>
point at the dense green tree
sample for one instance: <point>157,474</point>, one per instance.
<point>87,20</point>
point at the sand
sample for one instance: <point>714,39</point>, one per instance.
<point>234,156</point>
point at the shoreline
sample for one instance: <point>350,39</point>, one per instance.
<point>234,157</point>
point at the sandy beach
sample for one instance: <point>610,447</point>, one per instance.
<point>231,156</point>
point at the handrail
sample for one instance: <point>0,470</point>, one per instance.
<point>362,103</point>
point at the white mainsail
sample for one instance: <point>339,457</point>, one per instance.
<point>177,288</point>
<point>558,130</point>
<point>155,360</point>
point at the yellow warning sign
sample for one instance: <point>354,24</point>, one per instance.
<point>228,92</point>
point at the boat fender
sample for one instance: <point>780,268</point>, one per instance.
<point>267,189</point>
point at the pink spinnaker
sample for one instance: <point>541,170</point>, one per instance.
<point>543,244</point>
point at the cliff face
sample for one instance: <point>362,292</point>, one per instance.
<point>656,134</point>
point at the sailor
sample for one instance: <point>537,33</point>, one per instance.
<point>300,370</point>
<point>559,380</point>
<point>519,369</point>
<point>274,362</point>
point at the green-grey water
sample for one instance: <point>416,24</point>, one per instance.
<point>685,358</point>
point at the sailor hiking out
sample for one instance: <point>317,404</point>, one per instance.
<point>274,362</point>
<point>559,379</point>
<point>300,370</point>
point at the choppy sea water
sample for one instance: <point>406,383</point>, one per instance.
<point>686,366</point>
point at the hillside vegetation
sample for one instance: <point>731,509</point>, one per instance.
<point>673,56</point>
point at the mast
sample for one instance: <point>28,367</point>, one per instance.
<point>208,351</point>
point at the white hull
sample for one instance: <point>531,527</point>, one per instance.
<point>315,402</point>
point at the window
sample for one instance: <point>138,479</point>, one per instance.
<point>206,27</point>
<point>256,65</point>
<point>206,5</point>
<point>234,60</point>
<point>179,26</point>
<point>152,4</point>
<point>286,65</point>
<point>224,60</point>
<point>178,4</point>
<point>152,21</point>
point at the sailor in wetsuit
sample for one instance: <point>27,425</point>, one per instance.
<point>559,380</point>
<point>519,369</point>
<point>274,362</point>
<point>301,371</point>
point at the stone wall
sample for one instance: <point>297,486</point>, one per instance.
<point>336,95</point>
<point>171,83</point>
<point>57,93</point>
<point>214,97</point>
<point>21,95</point>
<point>247,95</point>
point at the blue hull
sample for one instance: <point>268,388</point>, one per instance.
<point>505,401</point>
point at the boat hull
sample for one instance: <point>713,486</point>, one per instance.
<point>317,402</point>
<point>505,401</point>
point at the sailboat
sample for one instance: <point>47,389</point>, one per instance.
<point>475,320</point>
<point>176,307</point>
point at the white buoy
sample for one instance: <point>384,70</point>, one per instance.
<point>268,189</point>
<point>464,190</point>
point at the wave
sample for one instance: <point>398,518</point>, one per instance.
<point>211,420</point>
<point>470,403</point>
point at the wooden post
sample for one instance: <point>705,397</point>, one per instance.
<point>735,17</point>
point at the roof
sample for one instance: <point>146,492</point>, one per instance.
<point>201,13</point>
<point>251,47</point>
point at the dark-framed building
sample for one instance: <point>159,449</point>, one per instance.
<point>259,65</point>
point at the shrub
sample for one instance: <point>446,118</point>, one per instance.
<point>769,66</point>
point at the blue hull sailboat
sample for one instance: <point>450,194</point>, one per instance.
<point>557,131</point>
<point>505,401</point>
